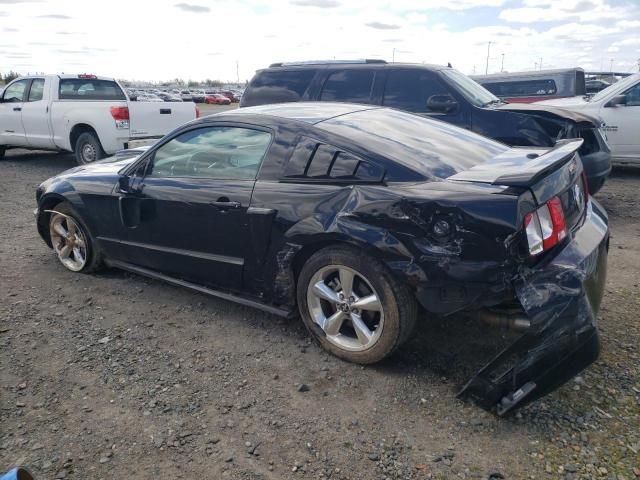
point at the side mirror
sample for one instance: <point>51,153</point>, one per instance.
<point>617,100</point>
<point>442,103</point>
<point>124,184</point>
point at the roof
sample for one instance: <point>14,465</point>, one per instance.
<point>309,112</point>
<point>368,64</point>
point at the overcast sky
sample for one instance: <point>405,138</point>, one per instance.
<point>198,39</point>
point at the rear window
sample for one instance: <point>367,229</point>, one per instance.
<point>277,87</point>
<point>523,88</point>
<point>348,86</point>
<point>429,147</point>
<point>89,89</point>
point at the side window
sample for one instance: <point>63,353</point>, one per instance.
<point>313,160</point>
<point>348,86</point>
<point>37,89</point>
<point>522,88</point>
<point>633,96</point>
<point>212,152</point>
<point>277,87</point>
<point>411,90</point>
<point>15,91</point>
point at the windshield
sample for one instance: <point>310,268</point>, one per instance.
<point>622,84</point>
<point>469,89</point>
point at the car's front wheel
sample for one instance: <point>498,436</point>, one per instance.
<point>353,306</point>
<point>71,241</point>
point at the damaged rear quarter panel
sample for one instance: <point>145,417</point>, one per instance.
<point>394,223</point>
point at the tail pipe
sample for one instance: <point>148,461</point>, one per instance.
<point>513,321</point>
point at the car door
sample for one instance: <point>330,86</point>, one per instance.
<point>191,208</point>
<point>623,123</point>
<point>422,92</point>
<point>35,116</point>
<point>11,128</point>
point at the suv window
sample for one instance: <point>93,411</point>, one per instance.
<point>212,152</point>
<point>89,89</point>
<point>522,88</point>
<point>313,160</point>
<point>348,86</point>
<point>36,90</point>
<point>411,89</point>
<point>278,87</point>
<point>15,91</point>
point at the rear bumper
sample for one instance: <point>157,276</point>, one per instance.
<point>561,297</point>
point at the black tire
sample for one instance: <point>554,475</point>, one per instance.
<point>398,303</point>
<point>93,254</point>
<point>88,148</point>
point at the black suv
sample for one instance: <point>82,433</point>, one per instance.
<point>434,91</point>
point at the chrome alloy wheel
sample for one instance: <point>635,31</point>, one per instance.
<point>68,241</point>
<point>346,307</point>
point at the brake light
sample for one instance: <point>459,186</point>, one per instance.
<point>120,113</point>
<point>545,227</point>
<point>87,75</point>
<point>197,112</point>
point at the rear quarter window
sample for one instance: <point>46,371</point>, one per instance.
<point>277,87</point>
<point>89,89</point>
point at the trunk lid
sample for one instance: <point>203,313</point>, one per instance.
<point>556,172</point>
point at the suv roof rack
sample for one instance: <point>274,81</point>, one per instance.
<point>326,62</point>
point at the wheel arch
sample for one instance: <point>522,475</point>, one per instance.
<point>77,130</point>
<point>47,203</point>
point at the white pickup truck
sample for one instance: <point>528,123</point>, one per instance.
<point>618,106</point>
<point>85,114</point>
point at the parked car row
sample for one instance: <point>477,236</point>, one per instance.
<point>176,95</point>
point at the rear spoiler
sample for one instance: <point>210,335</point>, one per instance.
<point>521,167</point>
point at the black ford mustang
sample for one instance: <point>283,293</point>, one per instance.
<point>355,216</point>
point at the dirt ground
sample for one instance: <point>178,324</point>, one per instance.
<point>113,375</point>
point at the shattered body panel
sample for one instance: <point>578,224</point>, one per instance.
<point>447,223</point>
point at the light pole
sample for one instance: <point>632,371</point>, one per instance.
<point>393,55</point>
<point>486,70</point>
<point>502,64</point>
<point>540,64</point>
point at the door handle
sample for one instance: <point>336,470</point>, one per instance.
<point>17,109</point>
<point>225,204</point>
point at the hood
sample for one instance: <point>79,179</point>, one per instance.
<point>568,102</point>
<point>547,111</point>
<point>108,166</point>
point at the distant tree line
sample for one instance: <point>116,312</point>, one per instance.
<point>8,77</point>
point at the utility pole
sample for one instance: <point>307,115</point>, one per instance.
<point>237,73</point>
<point>540,64</point>
<point>502,64</point>
<point>486,70</point>
<point>393,55</point>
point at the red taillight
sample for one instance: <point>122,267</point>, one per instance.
<point>197,112</point>
<point>120,113</point>
<point>546,227</point>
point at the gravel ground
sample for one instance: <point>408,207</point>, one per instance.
<point>112,375</point>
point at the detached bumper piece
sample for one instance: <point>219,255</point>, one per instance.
<point>561,297</point>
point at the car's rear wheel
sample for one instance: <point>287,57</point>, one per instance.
<point>88,148</point>
<point>71,241</point>
<point>353,306</point>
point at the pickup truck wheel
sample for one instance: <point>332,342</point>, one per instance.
<point>88,149</point>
